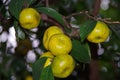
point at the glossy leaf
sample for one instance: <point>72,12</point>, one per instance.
<point>81,51</point>
<point>52,13</point>
<point>86,28</point>
<point>47,74</point>
<point>15,7</point>
<point>38,67</point>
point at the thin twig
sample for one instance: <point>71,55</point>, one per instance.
<point>47,3</point>
<point>49,19</point>
<point>75,14</point>
<point>67,23</point>
<point>86,13</point>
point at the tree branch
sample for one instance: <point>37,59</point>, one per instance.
<point>94,70</point>
<point>94,66</point>
<point>86,13</point>
<point>51,20</point>
<point>47,3</point>
<point>96,7</point>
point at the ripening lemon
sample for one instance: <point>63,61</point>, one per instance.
<point>60,44</point>
<point>29,18</point>
<point>100,33</point>
<point>29,78</point>
<point>48,33</point>
<point>49,56</point>
<point>62,65</point>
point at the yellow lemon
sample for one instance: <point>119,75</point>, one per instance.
<point>48,33</point>
<point>29,78</point>
<point>60,44</point>
<point>63,65</point>
<point>49,58</point>
<point>29,18</point>
<point>100,33</point>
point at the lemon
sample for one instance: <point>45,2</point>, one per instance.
<point>63,65</point>
<point>60,44</point>
<point>29,78</point>
<point>29,18</point>
<point>49,58</point>
<point>48,33</point>
<point>100,33</point>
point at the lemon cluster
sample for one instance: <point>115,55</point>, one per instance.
<point>58,46</point>
<point>56,41</point>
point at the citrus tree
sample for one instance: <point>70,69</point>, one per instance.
<point>59,40</point>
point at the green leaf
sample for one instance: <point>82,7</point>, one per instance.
<point>30,1</point>
<point>15,7</point>
<point>47,74</point>
<point>81,51</point>
<point>19,33</point>
<point>37,68</point>
<point>51,13</point>
<point>86,28</point>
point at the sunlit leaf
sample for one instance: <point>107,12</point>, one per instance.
<point>86,28</point>
<point>81,51</point>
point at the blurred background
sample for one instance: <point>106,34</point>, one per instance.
<point>19,49</point>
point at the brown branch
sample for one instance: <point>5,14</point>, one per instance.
<point>66,23</point>
<point>109,22</point>
<point>47,3</point>
<point>51,20</point>
<point>106,20</point>
<point>94,67</point>
<point>94,70</point>
<point>75,14</point>
<point>86,13</point>
<point>96,7</point>
<point>74,31</point>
